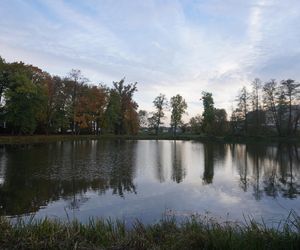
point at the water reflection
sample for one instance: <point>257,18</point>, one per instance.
<point>178,171</point>
<point>34,176</point>
<point>208,173</point>
<point>37,175</point>
<point>159,162</point>
<point>272,170</point>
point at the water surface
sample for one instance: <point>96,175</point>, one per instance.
<point>149,179</point>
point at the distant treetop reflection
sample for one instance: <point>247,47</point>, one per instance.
<point>33,176</point>
<point>273,170</point>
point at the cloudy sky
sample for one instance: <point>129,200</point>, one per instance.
<point>167,46</point>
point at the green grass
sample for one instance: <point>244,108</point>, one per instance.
<point>194,233</point>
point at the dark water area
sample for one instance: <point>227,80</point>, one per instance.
<point>147,180</point>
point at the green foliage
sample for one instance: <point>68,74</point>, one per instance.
<point>4,78</point>
<point>160,103</point>
<point>178,108</point>
<point>113,112</point>
<point>220,122</point>
<point>34,101</point>
<point>196,124</point>
<point>31,100</point>
<point>23,102</point>
<point>208,113</point>
<point>121,115</point>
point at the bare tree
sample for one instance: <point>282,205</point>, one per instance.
<point>291,91</point>
<point>271,100</point>
<point>256,101</point>
<point>243,106</point>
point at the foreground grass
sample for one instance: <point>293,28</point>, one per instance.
<point>203,138</point>
<point>194,233</point>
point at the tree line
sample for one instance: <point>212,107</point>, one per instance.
<point>33,101</point>
<point>268,108</point>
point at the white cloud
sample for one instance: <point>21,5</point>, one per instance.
<point>171,47</point>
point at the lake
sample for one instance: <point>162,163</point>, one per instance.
<point>149,179</point>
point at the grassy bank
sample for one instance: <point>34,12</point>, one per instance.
<point>204,138</point>
<point>167,234</point>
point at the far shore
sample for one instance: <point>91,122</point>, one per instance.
<point>30,139</point>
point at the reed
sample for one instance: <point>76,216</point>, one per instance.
<point>193,233</point>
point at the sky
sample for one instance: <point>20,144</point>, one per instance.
<point>167,46</point>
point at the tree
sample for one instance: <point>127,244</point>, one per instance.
<point>4,82</point>
<point>208,113</point>
<point>99,101</point>
<point>243,106</point>
<point>274,103</point>
<point>24,99</point>
<point>235,121</point>
<point>4,77</point>
<point>89,113</point>
<point>178,108</point>
<point>53,115</point>
<point>76,81</point>
<point>291,91</point>
<point>121,113</point>
<point>196,124</point>
<point>143,118</point>
<point>128,119</point>
<point>160,103</point>
<point>112,112</point>
<point>220,121</point>
<point>256,102</point>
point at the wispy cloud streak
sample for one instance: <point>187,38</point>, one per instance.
<point>171,46</point>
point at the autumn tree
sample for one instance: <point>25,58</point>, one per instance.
<point>99,101</point>
<point>52,116</point>
<point>178,108</point>
<point>90,112</point>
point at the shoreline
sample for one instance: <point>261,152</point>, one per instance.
<point>33,139</point>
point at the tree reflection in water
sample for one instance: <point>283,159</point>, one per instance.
<point>32,176</point>
<point>208,173</point>
<point>39,174</point>
<point>274,170</point>
<point>178,173</point>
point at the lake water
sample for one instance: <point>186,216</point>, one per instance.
<point>149,179</point>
